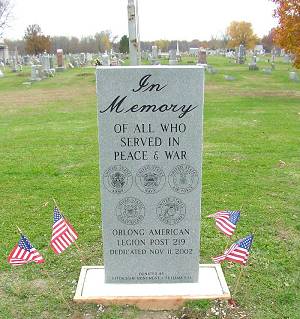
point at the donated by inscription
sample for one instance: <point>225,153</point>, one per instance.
<point>150,179</point>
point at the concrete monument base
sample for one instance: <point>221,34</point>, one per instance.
<point>91,288</point>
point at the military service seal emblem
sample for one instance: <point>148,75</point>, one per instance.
<point>183,179</point>
<point>117,179</point>
<point>171,210</point>
<point>130,211</point>
<point>150,179</point>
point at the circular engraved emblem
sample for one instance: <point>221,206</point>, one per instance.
<point>150,179</point>
<point>117,179</point>
<point>171,210</point>
<point>183,179</point>
<point>130,211</point>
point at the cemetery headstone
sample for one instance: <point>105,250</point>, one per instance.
<point>202,56</point>
<point>51,62</point>
<point>1,74</point>
<point>178,56</point>
<point>105,59</point>
<point>150,134</point>
<point>229,77</point>
<point>287,58</point>
<point>252,65</point>
<point>294,76</point>
<point>273,52</point>
<point>60,60</point>
<point>210,69</point>
<point>267,70</point>
<point>154,55</point>
<point>145,55</point>
<point>172,57</point>
<point>36,73</point>
<point>14,65</point>
<point>26,60</point>
<point>114,61</point>
<point>45,60</point>
<point>82,58</point>
<point>241,54</point>
<point>89,57</point>
<point>154,52</point>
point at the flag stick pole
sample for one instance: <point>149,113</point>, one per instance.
<point>19,230</point>
<point>228,242</point>
<point>55,203</point>
<point>3,254</point>
<point>238,280</point>
<point>41,206</point>
<point>56,289</point>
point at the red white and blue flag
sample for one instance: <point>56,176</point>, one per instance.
<point>237,252</point>
<point>226,221</point>
<point>63,234</point>
<point>24,253</point>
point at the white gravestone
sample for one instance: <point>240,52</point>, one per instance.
<point>154,52</point>
<point>172,57</point>
<point>36,73</point>
<point>45,62</point>
<point>150,134</point>
<point>105,59</point>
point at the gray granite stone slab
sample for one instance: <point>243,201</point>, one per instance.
<point>150,136</point>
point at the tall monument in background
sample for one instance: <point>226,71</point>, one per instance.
<point>134,33</point>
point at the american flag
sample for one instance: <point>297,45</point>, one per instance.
<point>24,253</point>
<point>237,252</point>
<point>63,234</point>
<point>226,221</point>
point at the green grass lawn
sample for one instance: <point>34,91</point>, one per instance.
<point>49,148</point>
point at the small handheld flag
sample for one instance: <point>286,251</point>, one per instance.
<point>24,253</point>
<point>237,252</point>
<point>63,234</point>
<point>226,221</point>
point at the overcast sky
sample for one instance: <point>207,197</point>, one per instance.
<point>159,19</point>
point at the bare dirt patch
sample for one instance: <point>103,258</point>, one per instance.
<point>285,234</point>
<point>39,285</point>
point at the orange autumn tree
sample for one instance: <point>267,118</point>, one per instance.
<point>287,34</point>
<point>35,41</point>
<point>241,32</point>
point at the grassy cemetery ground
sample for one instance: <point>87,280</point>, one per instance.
<point>49,148</point>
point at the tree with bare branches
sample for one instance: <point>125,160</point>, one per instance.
<point>5,15</point>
